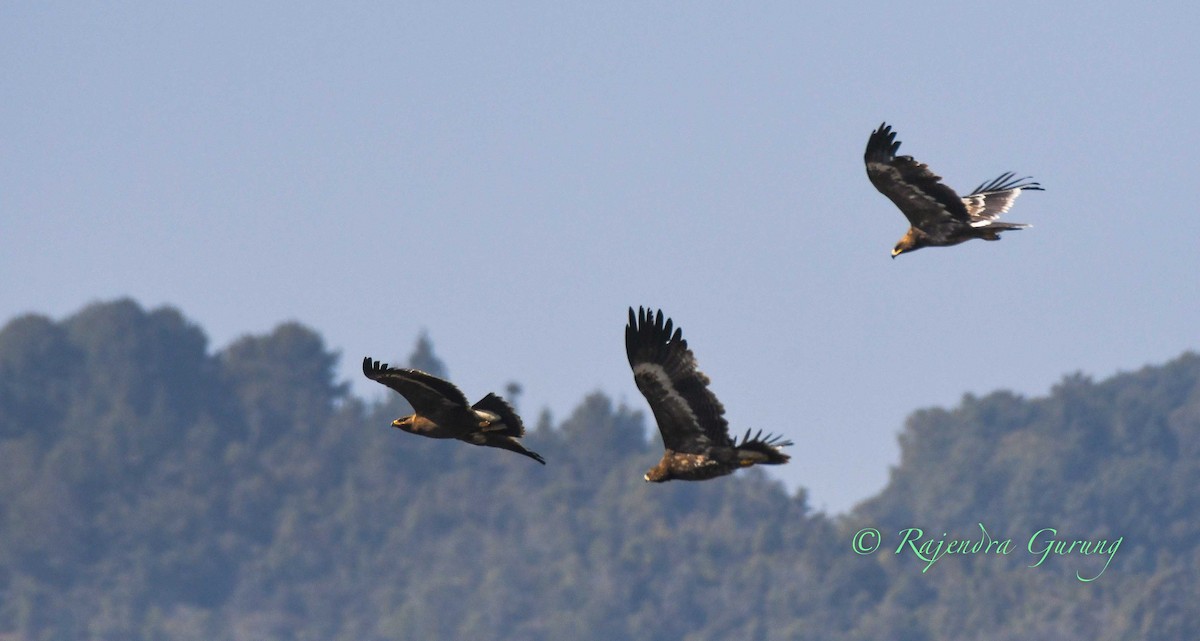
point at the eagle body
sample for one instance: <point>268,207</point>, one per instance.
<point>938,216</point>
<point>452,424</point>
<point>440,410</point>
<point>689,417</point>
<point>682,466</point>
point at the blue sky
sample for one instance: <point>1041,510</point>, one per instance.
<point>511,177</point>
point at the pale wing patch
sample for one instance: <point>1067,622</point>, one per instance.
<point>659,390</point>
<point>990,205</point>
<point>659,375</point>
<point>974,205</point>
<point>911,191</point>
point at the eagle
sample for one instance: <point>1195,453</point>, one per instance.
<point>440,410</point>
<point>690,418</point>
<point>939,217</point>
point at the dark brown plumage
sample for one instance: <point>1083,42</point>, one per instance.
<point>937,215</point>
<point>690,418</point>
<point>440,410</point>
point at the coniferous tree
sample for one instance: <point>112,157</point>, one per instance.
<point>150,489</point>
<point>423,358</point>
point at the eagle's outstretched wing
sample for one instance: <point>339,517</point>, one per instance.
<point>689,416</point>
<point>917,191</point>
<point>425,392</point>
<point>990,199</point>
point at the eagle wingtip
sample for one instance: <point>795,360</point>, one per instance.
<point>882,145</point>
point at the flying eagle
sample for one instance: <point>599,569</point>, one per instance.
<point>441,410</point>
<point>939,217</point>
<point>689,416</point>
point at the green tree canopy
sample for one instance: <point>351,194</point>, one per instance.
<point>151,489</point>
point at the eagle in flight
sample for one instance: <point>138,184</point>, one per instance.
<point>440,410</point>
<point>939,217</point>
<point>690,418</point>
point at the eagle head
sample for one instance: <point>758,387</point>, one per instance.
<point>660,473</point>
<point>404,423</point>
<point>911,241</point>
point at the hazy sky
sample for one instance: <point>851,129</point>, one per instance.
<point>511,177</point>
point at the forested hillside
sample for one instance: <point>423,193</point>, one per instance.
<point>153,488</point>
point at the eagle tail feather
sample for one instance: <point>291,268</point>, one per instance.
<point>1002,226</point>
<point>496,439</point>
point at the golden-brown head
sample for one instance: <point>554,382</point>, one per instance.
<point>405,423</point>
<point>660,473</point>
<point>911,241</point>
<point>418,424</point>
